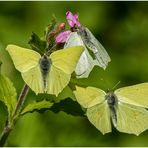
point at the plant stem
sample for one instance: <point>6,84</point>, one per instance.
<point>5,135</point>
<point>21,100</point>
<point>9,124</point>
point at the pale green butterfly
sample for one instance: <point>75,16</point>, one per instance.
<point>125,108</point>
<point>45,74</point>
<point>88,60</point>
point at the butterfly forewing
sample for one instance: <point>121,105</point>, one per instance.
<point>99,116</point>
<point>131,119</point>
<point>134,95</point>
<point>23,58</point>
<point>67,59</point>
<point>89,96</point>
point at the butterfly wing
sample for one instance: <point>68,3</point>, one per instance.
<point>99,116</point>
<point>34,79</point>
<point>102,57</point>
<point>134,95</point>
<point>23,58</point>
<point>63,64</point>
<point>86,62</point>
<point>27,62</point>
<point>57,80</point>
<point>98,111</point>
<point>89,96</point>
<point>131,119</point>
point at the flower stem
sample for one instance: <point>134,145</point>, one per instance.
<point>5,135</point>
<point>9,124</point>
<point>21,100</point>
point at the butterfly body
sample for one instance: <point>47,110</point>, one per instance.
<point>113,104</point>
<point>45,64</point>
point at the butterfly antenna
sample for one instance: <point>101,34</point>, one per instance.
<point>116,85</point>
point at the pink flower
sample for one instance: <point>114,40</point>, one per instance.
<point>72,19</point>
<point>62,37</point>
<point>73,22</point>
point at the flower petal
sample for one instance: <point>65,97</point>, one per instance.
<point>62,37</point>
<point>77,22</point>
<point>72,19</point>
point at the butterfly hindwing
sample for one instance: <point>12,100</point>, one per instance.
<point>23,58</point>
<point>131,119</point>
<point>57,80</point>
<point>34,80</point>
<point>99,116</point>
<point>134,95</point>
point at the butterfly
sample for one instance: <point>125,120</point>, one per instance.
<point>125,108</point>
<point>94,53</point>
<point>45,74</point>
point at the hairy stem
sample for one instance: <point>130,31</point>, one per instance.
<point>9,124</point>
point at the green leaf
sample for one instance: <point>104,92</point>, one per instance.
<point>8,94</point>
<point>35,106</point>
<point>37,44</point>
<point>68,106</point>
<point>3,115</point>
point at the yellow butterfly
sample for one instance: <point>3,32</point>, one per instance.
<point>45,73</point>
<point>125,108</point>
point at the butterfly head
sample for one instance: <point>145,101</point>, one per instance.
<point>111,98</point>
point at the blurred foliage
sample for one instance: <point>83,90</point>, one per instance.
<point>121,27</point>
<point>8,94</point>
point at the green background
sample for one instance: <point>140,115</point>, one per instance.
<point>121,27</point>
